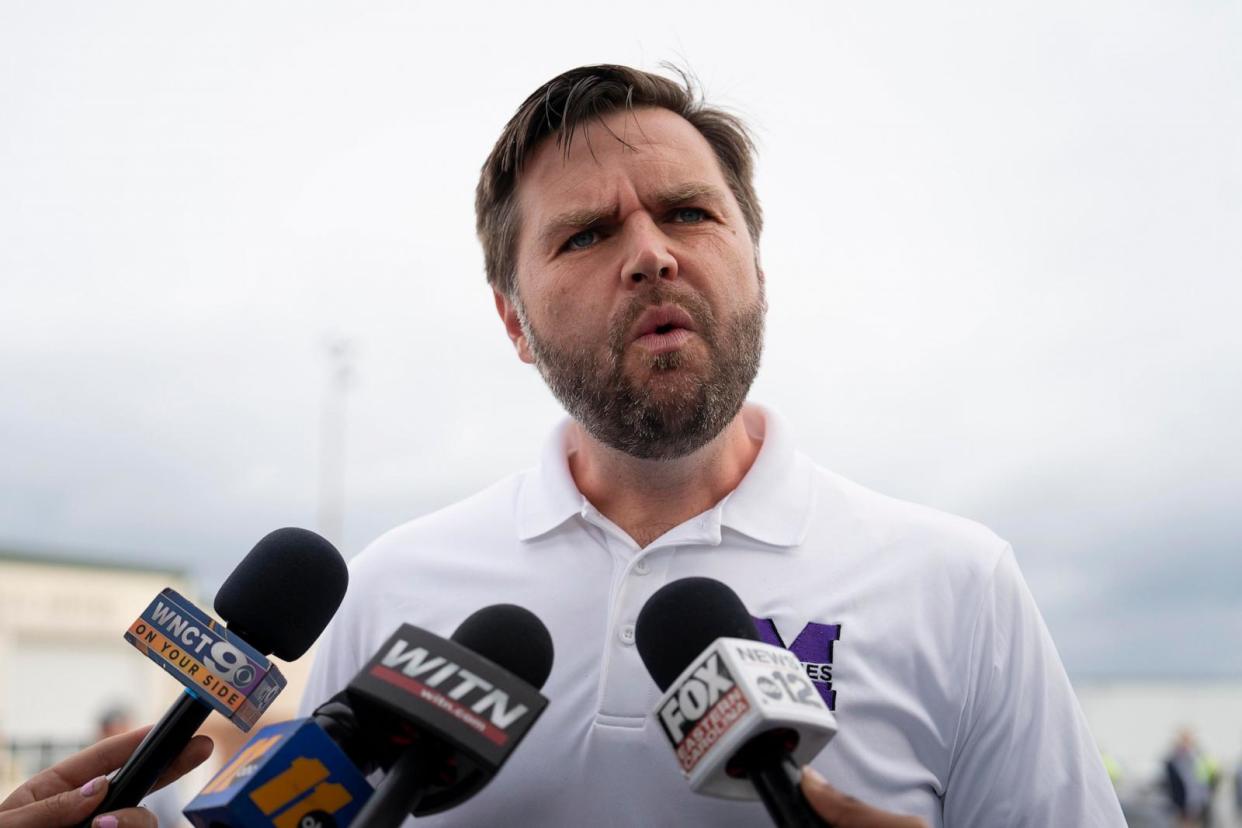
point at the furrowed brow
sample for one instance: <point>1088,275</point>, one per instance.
<point>579,219</point>
<point>562,223</point>
<point>686,193</point>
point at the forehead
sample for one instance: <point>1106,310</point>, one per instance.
<point>664,150</point>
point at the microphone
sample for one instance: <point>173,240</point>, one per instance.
<point>741,715</point>
<point>290,775</point>
<point>277,601</point>
<point>442,716</point>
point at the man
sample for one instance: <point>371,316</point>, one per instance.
<point>1191,780</point>
<point>621,233</point>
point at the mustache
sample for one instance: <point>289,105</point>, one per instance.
<point>687,300</point>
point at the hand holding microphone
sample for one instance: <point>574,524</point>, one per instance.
<point>69,791</point>
<point>842,811</point>
<point>277,601</point>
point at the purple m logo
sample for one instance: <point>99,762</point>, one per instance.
<point>813,647</point>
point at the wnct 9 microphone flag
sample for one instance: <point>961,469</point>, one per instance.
<point>217,666</point>
<point>277,600</point>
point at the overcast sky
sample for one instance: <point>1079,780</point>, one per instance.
<point>1003,249</point>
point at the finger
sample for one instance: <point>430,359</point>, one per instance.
<point>195,754</point>
<point>98,759</point>
<point>845,811</point>
<point>64,809</point>
<point>826,800</point>
<point>126,818</point>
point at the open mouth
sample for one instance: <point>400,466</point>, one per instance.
<point>662,320</point>
<point>663,329</point>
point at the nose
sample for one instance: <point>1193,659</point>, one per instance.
<point>647,255</point>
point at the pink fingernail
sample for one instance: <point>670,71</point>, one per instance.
<point>108,821</point>
<point>91,788</point>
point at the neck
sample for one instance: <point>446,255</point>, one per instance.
<point>646,498</point>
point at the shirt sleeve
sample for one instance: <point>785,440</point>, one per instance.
<point>1023,755</point>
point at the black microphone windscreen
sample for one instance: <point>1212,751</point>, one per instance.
<point>682,619</point>
<point>284,592</point>
<point>513,638</point>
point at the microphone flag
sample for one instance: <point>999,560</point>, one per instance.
<point>420,683</point>
<point>736,689</point>
<point>218,667</point>
<point>290,775</point>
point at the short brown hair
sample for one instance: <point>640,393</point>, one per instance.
<point>573,99</point>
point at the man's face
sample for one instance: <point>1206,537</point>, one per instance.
<point>638,295</point>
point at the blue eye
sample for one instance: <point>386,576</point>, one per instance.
<point>583,240</point>
<point>689,215</point>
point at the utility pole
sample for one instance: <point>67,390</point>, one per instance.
<point>332,430</point>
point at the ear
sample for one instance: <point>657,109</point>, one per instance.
<point>507,309</point>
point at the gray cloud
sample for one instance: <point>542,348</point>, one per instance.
<point>1001,256</point>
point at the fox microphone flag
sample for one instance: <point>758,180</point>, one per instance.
<point>278,600</point>
<point>290,775</point>
<point>740,715</point>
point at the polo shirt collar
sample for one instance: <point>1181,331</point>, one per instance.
<point>548,496</point>
<point>772,504</point>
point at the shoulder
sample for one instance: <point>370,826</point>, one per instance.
<point>911,535</point>
<point>425,567</point>
<point>413,574</point>
<point>479,524</point>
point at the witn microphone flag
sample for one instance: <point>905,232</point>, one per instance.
<point>468,701</point>
<point>735,690</point>
<point>215,665</point>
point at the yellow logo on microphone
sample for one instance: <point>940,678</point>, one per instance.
<point>325,798</point>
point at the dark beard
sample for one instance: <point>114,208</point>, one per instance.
<point>633,419</point>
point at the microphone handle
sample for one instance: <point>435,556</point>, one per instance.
<point>134,779</point>
<point>766,762</point>
<point>402,788</point>
<point>781,793</point>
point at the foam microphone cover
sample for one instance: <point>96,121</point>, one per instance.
<point>284,592</point>
<point>682,619</point>
<point>511,637</point>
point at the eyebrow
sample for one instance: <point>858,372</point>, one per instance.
<point>582,218</point>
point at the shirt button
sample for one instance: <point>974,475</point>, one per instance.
<point>626,634</point>
<point>641,567</point>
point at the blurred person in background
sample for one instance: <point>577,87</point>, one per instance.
<point>67,793</point>
<point>113,722</point>
<point>1191,779</point>
<point>1112,767</point>
<point>1237,792</point>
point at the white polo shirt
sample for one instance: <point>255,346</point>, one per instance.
<point>951,701</point>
